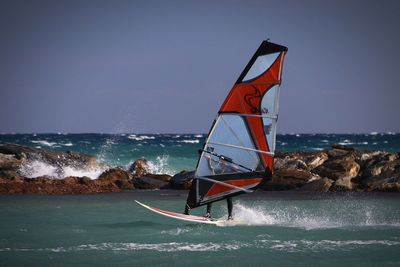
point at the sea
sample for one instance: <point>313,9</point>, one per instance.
<point>288,228</point>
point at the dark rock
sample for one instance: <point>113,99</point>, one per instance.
<point>121,178</point>
<point>317,185</point>
<point>145,182</point>
<point>342,147</point>
<point>342,184</point>
<point>286,179</point>
<point>161,177</point>
<point>182,180</point>
<point>337,153</point>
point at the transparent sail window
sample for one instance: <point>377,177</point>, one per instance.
<point>270,132</point>
<point>261,64</point>
<point>269,101</point>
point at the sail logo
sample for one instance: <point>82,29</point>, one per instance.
<point>252,99</point>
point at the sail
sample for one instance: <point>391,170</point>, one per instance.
<point>238,153</point>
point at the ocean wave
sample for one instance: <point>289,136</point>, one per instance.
<point>188,141</point>
<point>302,245</point>
<point>160,166</point>
<point>68,144</point>
<point>44,143</point>
<point>37,168</point>
<point>140,137</point>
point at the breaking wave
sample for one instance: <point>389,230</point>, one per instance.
<point>160,166</point>
<point>37,168</point>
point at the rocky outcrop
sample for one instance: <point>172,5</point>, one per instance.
<point>13,157</point>
<point>341,168</point>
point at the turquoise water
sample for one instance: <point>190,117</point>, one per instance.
<point>171,153</point>
<point>279,229</point>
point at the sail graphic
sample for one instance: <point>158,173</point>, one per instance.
<point>238,153</point>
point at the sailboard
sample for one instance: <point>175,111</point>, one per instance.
<point>238,154</point>
<point>182,217</point>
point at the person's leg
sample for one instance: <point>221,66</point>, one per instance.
<point>187,210</point>
<point>191,199</point>
<point>230,208</point>
<point>208,213</point>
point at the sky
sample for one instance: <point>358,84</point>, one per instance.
<point>166,66</point>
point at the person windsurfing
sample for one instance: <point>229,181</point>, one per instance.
<point>239,151</point>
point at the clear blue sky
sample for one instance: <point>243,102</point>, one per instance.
<point>166,66</point>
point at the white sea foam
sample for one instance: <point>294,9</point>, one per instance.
<point>189,141</point>
<point>160,166</point>
<point>37,168</point>
<point>93,173</point>
<point>198,135</point>
<point>347,142</point>
<point>44,143</point>
<point>140,137</point>
<point>177,231</point>
<point>68,144</point>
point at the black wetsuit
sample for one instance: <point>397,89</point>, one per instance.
<point>230,207</point>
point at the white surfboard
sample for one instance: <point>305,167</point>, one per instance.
<point>183,217</point>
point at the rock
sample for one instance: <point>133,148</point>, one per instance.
<point>161,177</point>
<point>10,162</point>
<point>317,185</point>
<point>315,159</point>
<point>337,167</point>
<point>342,147</point>
<point>145,182</point>
<point>383,176</point>
<point>139,167</point>
<point>342,184</point>
<point>286,179</point>
<point>336,153</point>
<point>289,162</point>
<point>121,178</point>
<point>299,160</point>
<point>182,180</point>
